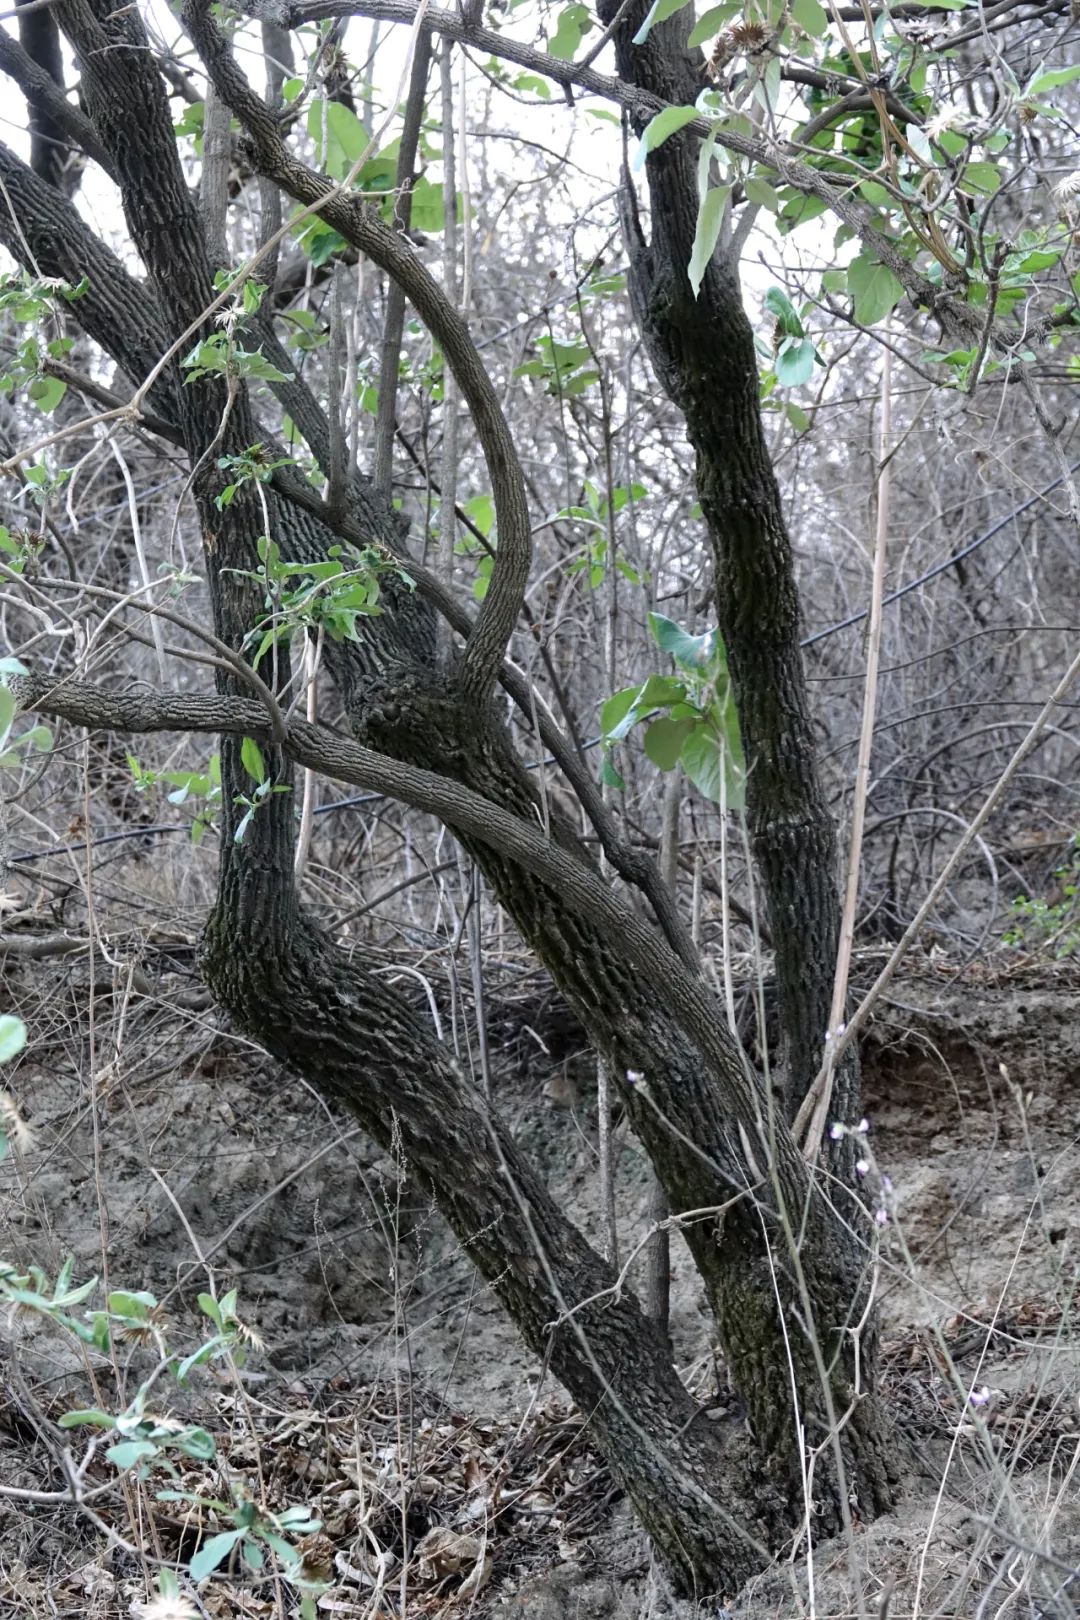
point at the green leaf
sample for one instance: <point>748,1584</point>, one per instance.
<point>692,652</point>
<point>89,1415</point>
<point>1051,80</point>
<point>7,712</point>
<point>12,1037</point>
<point>615,712</point>
<point>794,363</point>
<point>197,1443</point>
<point>981,179</point>
<point>131,1305</point>
<point>711,22</point>
<point>346,138</point>
<point>706,235</point>
<point>811,17</point>
<point>252,760</point>
<point>779,305</point>
<point>659,12</point>
<point>574,23</point>
<point>875,289</point>
<point>762,193</point>
<point>660,128</point>
<point>213,1552</point>
<point>46,393</point>
<point>609,776</point>
<point>710,765</point>
<point>126,1453</point>
<point>664,741</point>
<point>1040,259</point>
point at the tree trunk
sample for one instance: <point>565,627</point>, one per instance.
<point>701,1112</point>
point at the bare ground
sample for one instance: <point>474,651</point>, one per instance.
<point>393,1395</point>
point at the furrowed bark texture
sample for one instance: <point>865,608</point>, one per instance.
<point>339,1025</point>
<point>702,350</point>
<point>699,1109</point>
<point>690,1114</point>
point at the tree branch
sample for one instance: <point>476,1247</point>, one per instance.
<point>642,105</point>
<point>361,226</point>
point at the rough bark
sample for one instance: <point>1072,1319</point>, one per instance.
<point>702,349</point>
<point>700,1111</point>
<point>354,1037</point>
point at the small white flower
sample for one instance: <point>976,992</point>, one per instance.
<point>980,1396</point>
<point>882,1217</point>
<point>167,1608</point>
<point>837,1132</point>
<point>946,118</point>
<point>862,1127</point>
<point>634,1077</point>
<point>862,1167</point>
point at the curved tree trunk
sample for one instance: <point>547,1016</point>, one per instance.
<point>702,349</point>
<point>702,1113</point>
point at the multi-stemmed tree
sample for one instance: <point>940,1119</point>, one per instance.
<point>766,1198</point>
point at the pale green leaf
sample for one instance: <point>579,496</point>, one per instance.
<point>659,129</point>
<point>12,1037</point>
<point>658,12</point>
<point>214,1552</point>
<point>711,22</point>
<point>709,222</point>
<point>875,289</point>
<point>981,179</point>
<point>574,23</point>
<point>664,740</point>
<point>811,17</point>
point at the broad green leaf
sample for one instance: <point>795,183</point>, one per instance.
<point>711,22</point>
<point>794,363</point>
<point>779,305</point>
<point>46,393</point>
<point>574,23</point>
<point>126,1453</point>
<point>345,136</point>
<point>692,652</point>
<point>661,128</point>
<point>709,221</point>
<point>609,776</point>
<point>1050,80</point>
<point>7,712</point>
<point>811,17</point>
<point>711,766</point>
<point>533,84</point>
<point>875,289</point>
<point>659,691</point>
<point>981,179</point>
<point>658,12</point>
<point>1040,259</point>
<point>12,1037</point>
<point>197,1443</point>
<point>615,711</point>
<point>664,741</point>
<point>481,510</point>
<point>89,1415</point>
<point>762,193</point>
<point>214,1552</point>
<point>252,760</point>
<point>132,1305</point>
